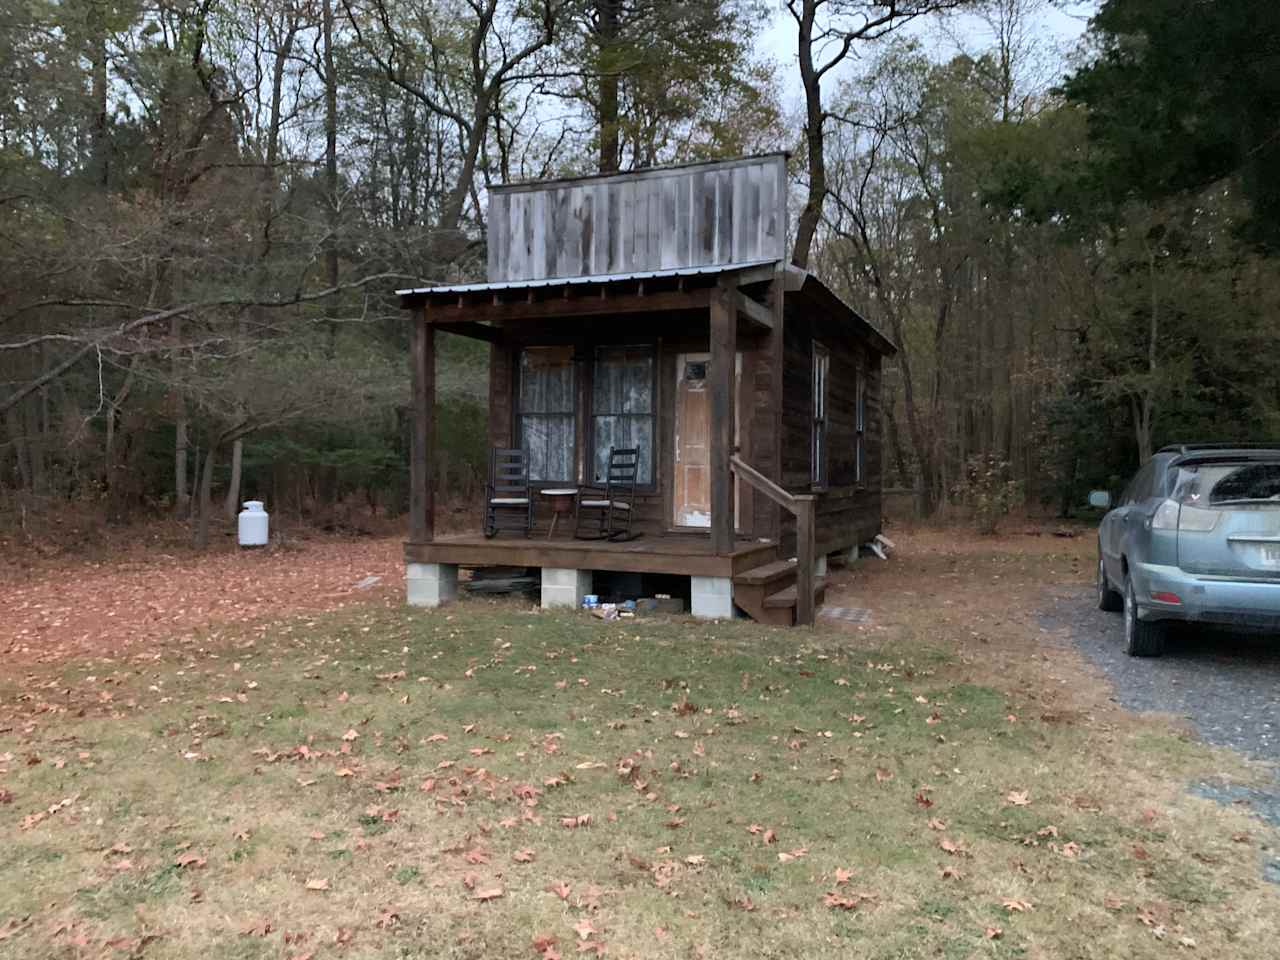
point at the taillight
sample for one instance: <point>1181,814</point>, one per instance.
<point>1197,520</point>
<point>1171,515</point>
<point>1166,516</point>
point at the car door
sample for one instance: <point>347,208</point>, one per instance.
<point>1121,523</point>
<point>1143,498</point>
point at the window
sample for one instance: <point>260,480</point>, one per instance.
<point>545,413</point>
<point>860,427</point>
<point>622,407</point>
<point>1139,488</point>
<point>821,368</point>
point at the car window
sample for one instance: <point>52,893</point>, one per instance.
<point>1140,488</point>
<point>1223,484</point>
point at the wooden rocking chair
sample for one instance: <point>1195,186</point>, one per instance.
<point>508,502</point>
<point>604,513</point>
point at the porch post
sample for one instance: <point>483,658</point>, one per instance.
<point>724,330</point>
<point>422,365</point>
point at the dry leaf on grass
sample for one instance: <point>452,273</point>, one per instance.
<point>488,893</point>
<point>321,883</point>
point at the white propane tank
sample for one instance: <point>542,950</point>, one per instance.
<point>253,523</point>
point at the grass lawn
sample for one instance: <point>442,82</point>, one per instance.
<point>489,781</point>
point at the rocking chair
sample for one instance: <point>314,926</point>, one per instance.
<point>604,513</point>
<point>508,503</point>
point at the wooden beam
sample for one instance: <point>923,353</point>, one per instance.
<point>469,328</point>
<point>655,302</point>
<point>806,557</point>
<point>724,349</point>
<point>759,274</point>
<point>422,439</point>
<point>757,313</point>
<point>776,347</point>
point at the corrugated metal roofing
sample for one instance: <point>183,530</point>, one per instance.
<point>575,281</point>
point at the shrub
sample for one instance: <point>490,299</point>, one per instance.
<point>986,488</point>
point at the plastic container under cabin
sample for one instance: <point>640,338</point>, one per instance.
<point>253,524</point>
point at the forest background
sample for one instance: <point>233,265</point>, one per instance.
<point>206,205</point>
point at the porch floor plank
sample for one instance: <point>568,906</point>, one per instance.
<point>688,554</point>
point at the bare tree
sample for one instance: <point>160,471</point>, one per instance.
<point>828,32</point>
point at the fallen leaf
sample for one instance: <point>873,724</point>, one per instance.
<point>524,856</point>
<point>882,774</point>
<point>488,893</point>
<point>1017,798</point>
<point>190,860</point>
<point>843,876</point>
<point>544,944</point>
<point>350,735</point>
<point>790,855</point>
<point>584,928</point>
<point>1017,906</point>
<point>318,884</point>
<point>936,824</point>
<point>993,933</point>
<point>560,889</point>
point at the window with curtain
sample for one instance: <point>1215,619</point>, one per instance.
<point>546,413</point>
<point>821,368</point>
<point>622,407</point>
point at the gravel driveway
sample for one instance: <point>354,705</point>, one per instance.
<point>1226,684</point>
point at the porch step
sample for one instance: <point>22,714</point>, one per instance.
<point>764,575</point>
<point>787,598</point>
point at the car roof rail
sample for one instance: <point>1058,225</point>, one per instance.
<point>1185,448</point>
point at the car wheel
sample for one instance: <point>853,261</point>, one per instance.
<point>1142,638</point>
<point>1109,600</point>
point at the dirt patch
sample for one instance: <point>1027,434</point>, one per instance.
<point>102,608</point>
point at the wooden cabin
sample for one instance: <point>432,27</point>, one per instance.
<point>656,310</point>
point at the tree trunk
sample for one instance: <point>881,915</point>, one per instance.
<point>606,37</point>
<point>811,214</point>
<point>204,498</point>
<point>232,505</point>
<point>18,441</point>
<point>330,162</point>
<point>101,162</point>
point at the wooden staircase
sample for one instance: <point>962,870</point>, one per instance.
<point>785,592</point>
<point>768,593</point>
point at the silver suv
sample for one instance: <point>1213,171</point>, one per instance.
<point>1194,537</point>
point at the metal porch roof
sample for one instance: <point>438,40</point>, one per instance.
<point>581,281</point>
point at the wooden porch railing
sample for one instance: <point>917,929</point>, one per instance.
<point>801,506</point>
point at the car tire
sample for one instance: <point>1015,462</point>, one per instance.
<point>1142,638</point>
<point>1110,600</point>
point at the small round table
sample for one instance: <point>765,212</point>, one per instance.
<point>562,500</point>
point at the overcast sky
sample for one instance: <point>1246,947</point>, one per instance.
<point>1061,27</point>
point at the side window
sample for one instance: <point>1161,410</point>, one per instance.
<point>1140,487</point>
<point>821,370</point>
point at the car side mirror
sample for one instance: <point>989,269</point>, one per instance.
<point>1100,499</point>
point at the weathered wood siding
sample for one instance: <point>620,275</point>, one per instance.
<point>691,216</point>
<point>848,510</point>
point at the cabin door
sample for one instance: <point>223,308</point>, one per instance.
<point>691,486</point>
